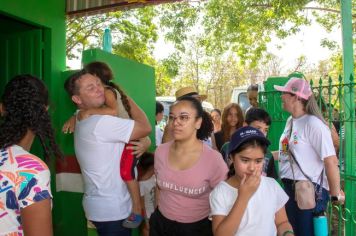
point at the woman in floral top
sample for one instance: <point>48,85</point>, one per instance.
<point>25,194</point>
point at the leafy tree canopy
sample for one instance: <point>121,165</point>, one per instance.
<point>218,42</point>
<point>134,33</point>
<point>246,27</point>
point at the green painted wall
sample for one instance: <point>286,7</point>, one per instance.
<point>49,17</point>
<point>270,100</point>
<point>138,81</point>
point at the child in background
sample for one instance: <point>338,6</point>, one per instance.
<point>248,203</point>
<point>260,119</point>
<point>232,119</point>
<point>147,183</point>
<point>216,118</point>
<point>117,104</point>
<point>159,117</point>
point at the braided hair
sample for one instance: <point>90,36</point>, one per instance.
<point>104,72</point>
<point>25,101</point>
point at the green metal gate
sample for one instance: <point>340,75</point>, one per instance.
<point>336,100</point>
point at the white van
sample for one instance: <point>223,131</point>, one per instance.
<point>239,96</point>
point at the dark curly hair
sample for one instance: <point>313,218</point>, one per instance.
<point>25,101</point>
<point>207,126</point>
<point>104,72</point>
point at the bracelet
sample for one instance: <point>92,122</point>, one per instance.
<point>337,198</point>
<point>288,232</point>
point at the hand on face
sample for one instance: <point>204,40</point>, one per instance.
<point>250,183</point>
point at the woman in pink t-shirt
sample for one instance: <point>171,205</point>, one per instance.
<point>186,171</point>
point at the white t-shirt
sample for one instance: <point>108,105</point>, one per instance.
<point>310,143</point>
<point>159,135</point>
<point>147,190</point>
<point>259,215</point>
<point>208,142</point>
<point>99,142</point>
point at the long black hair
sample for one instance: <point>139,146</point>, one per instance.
<point>252,143</point>
<point>207,127</point>
<point>25,103</point>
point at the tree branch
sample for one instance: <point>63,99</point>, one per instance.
<point>322,9</point>
<point>305,8</point>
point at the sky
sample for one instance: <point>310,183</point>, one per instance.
<point>307,43</point>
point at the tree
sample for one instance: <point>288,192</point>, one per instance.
<point>246,27</point>
<point>327,13</point>
<point>214,75</point>
<point>218,42</point>
<point>133,32</point>
<point>166,69</point>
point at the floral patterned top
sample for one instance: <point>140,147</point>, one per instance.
<point>24,180</point>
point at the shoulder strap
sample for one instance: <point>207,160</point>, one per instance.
<point>291,155</point>
<point>296,162</point>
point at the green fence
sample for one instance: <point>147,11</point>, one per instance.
<point>337,102</point>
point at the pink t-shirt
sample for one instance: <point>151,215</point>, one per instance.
<point>184,194</point>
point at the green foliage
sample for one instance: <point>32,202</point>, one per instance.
<point>243,27</point>
<point>133,33</point>
<point>81,30</point>
<point>137,35</point>
<point>163,80</point>
<point>328,15</point>
<point>177,20</point>
<point>220,43</point>
<point>172,64</point>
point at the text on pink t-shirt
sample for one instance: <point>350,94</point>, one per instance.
<point>184,194</point>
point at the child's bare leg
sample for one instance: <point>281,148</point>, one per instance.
<point>145,230</point>
<point>134,190</point>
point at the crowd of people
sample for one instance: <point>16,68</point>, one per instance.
<point>211,174</point>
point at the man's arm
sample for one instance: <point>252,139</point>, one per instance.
<point>142,126</point>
